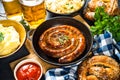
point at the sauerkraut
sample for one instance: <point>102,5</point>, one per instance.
<point>11,40</point>
<point>63,6</point>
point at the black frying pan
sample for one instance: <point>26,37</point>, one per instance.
<point>61,21</point>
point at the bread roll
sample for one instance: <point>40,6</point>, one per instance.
<point>111,7</point>
<point>99,68</point>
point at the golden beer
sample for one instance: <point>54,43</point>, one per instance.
<point>12,9</point>
<point>33,11</point>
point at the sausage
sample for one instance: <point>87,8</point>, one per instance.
<point>76,53</point>
<point>61,41</point>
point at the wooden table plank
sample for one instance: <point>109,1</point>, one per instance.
<point>33,55</point>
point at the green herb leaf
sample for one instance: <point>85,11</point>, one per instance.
<point>72,7</point>
<point>25,24</point>
<point>103,22</point>
<point>1,37</point>
<point>62,39</point>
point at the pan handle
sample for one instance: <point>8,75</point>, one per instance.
<point>30,33</point>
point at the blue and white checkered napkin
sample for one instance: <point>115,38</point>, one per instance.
<point>107,46</point>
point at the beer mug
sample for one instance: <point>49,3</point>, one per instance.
<point>34,12</point>
<point>12,9</point>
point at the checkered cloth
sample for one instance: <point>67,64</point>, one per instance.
<point>107,46</point>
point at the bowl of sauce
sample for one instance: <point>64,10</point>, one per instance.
<point>28,69</point>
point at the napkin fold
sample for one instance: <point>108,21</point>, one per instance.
<point>62,73</point>
<point>106,46</point>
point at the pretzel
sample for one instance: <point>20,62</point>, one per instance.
<point>99,68</point>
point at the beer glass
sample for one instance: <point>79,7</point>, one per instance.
<point>12,9</point>
<point>33,11</point>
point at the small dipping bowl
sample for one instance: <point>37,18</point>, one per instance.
<point>28,69</point>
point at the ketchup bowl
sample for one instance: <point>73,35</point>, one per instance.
<point>28,69</point>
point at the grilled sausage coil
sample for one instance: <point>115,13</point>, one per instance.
<point>99,68</point>
<point>64,42</point>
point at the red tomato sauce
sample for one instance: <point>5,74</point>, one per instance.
<point>28,71</point>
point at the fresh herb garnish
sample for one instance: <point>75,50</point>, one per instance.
<point>62,39</point>
<point>72,7</point>
<point>103,22</point>
<point>1,36</point>
<point>25,24</point>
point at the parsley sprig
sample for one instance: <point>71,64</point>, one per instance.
<point>25,24</point>
<point>103,22</point>
<point>62,39</point>
<point>1,37</point>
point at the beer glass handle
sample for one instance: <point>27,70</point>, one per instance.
<point>2,12</point>
<point>30,33</point>
<point>3,16</point>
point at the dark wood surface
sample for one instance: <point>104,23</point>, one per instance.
<point>7,64</point>
<point>6,72</point>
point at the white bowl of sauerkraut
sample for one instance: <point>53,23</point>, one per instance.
<point>12,37</point>
<point>64,6</point>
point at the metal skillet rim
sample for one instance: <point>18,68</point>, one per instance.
<point>64,64</point>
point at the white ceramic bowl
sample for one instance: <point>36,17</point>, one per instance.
<point>24,62</point>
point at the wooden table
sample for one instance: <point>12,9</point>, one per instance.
<point>7,64</point>
<point>32,55</point>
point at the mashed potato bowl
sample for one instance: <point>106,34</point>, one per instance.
<point>14,37</point>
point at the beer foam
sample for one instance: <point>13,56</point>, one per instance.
<point>31,2</point>
<point>51,0</point>
<point>7,0</point>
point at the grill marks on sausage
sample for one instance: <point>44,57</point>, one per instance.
<point>64,42</point>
